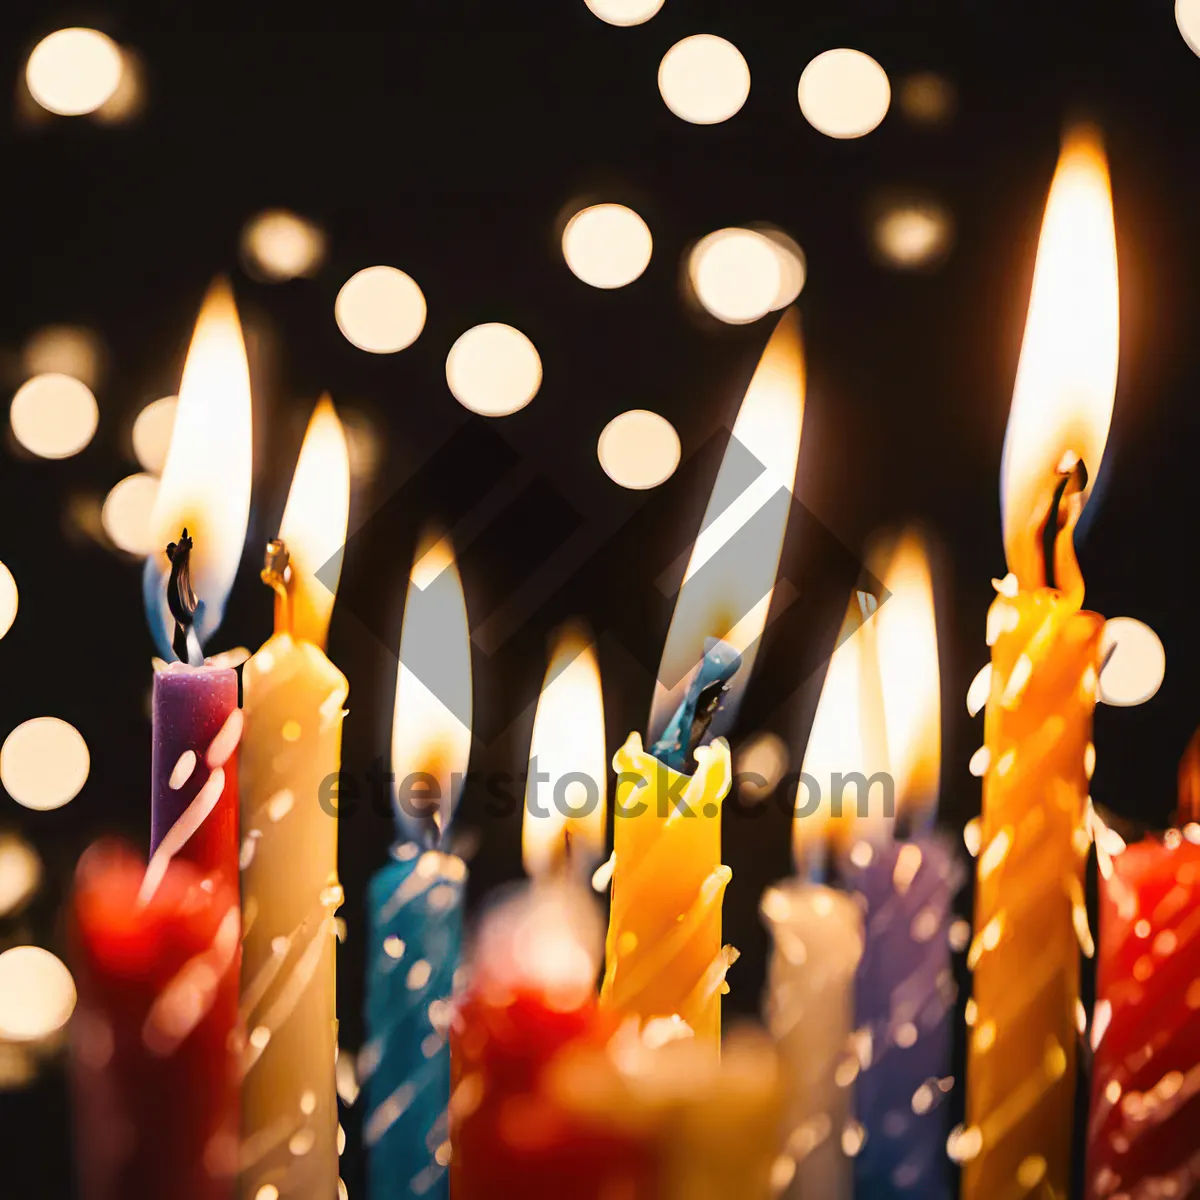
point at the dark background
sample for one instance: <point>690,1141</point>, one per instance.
<point>448,146</point>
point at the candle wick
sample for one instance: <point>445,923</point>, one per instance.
<point>1060,519</point>
<point>275,574</point>
<point>690,725</point>
<point>183,602</point>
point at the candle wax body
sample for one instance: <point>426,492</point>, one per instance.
<point>1029,902</point>
<point>414,944</point>
<point>191,707</point>
<point>663,955</point>
<point>291,745</point>
<point>1144,1129</point>
<point>904,1001</point>
<point>513,1137</point>
<point>153,1065</point>
<point>810,1007</point>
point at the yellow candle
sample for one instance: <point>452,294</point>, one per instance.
<point>1030,919</point>
<point>664,955</point>
<point>294,698</point>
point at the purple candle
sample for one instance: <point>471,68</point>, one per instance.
<point>194,793</point>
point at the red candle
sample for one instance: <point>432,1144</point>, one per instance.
<point>1145,1111</point>
<point>531,1002</point>
<point>154,1060</point>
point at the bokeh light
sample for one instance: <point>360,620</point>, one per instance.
<point>1187,17</point>
<point>639,449</point>
<point>74,71</point>
<point>20,873</point>
<point>494,370</point>
<point>607,245</point>
<point>152,433</point>
<point>844,93</point>
<point>927,98</point>
<point>64,350</point>
<point>54,415</point>
<point>624,12</point>
<point>764,755</point>
<point>126,514</point>
<point>381,310</point>
<point>129,99</point>
<point>37,994</point>
<point>737,275</point>
<point>1136,665</point>
<point>912,234</point>
<point>278,245</point>
<point>44,763</point>
<point>704,79</point>
<point>8,599</point>
<point>793,267</point>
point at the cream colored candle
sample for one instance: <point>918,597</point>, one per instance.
<point>294,701</point>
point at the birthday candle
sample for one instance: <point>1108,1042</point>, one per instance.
<point>294,705</point>
<point>664,953</point>
<point>1030,916</point>
<point>415,901</point>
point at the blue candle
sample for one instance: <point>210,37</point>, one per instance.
<point>904,1003</point>
<point>415,901</point>
<point>415,914</point>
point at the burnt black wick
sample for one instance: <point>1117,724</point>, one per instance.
<point>181,599</point>
<point>1070,483</point>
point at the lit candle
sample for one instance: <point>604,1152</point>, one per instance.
<point>531,1005</point>
<point>1146,1032</point>
<point>905,991</point>
<point>294,698</point>
<point>157,945</point>
<point>155,1079</point>
<point>415,901</point>
<point>205,491</point>
<point>818,937</point>
<point>1030,917</point>
<point>664,954</point>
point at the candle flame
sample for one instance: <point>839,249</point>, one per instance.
<point>848,736</point>
<point>1067,376</point>
<point>431,723</point>
<point>314,523</point>
<point>908,664</point>
<point>206,479</point>
<point>568,746</point>
<point>730,576</point>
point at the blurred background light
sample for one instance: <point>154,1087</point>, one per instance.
<point>20,873</point>
<point>639,449</point>
<point>793,267</point>
<point>152,433</point>
<point>37,994</point>
<point>74,71</point>
<point>927,98</point>
<point>737,275</point>
<point>1187,17</point>
<point>129,98</point>
<point>494,370</point>
<point>844,93</point>
<point>764,755</point>
<point>381,310</point>
<point>44,763</point>
<point>624,12</point>
<point>1136,662</point>
<point>607,245</point>
<point>704,79</point>
<point>64,350</point>
<point>125,515</point>
<point>912,234</point>
<point>8,599</point>
<point>278,245</point>
<point>53,415</point>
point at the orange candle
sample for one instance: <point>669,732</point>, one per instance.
<point>1030,919</point>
